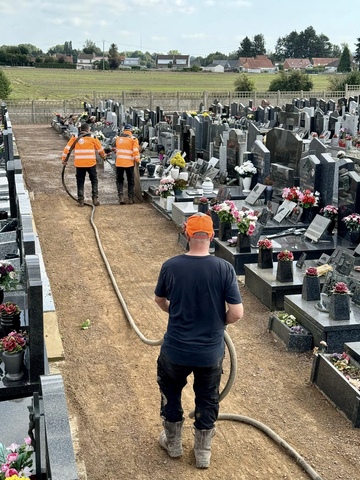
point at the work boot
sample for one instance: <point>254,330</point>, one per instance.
<point>170,438</point>
<point>81,202</point>
<point>202,447</point>
<point>95,201</point>
<point>121,199</point>
<point>80,192</point>
<point>131,201</point>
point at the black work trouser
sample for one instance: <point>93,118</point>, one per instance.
<point>80,180</point>
<point>130,176</point>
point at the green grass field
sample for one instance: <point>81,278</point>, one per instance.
<point>48,84</point>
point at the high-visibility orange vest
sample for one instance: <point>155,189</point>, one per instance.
<point>127,150</point>
<point>84,151</point>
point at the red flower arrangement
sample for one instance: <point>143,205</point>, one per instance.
<point>341,288</point>
<point>292,194</point>
<point>14,342</point>
<point>311,272</point>
<point>265,244</point>
<point>285,255</point>
<point>308,199</point>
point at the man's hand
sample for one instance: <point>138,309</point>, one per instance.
<point>64,162</point>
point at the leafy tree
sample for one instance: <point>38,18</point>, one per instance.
<point>101,65</point>
<point>214,56</point>
<point>90,47</point>
<point>114,58</point>
<point>246,48</point>
<point>345,61</point>
<point>259,45</point>
<point>244,83</point>
<point>5,86</point>
<point>338,82</point>
<point>357,52</point>
<point>174,52</point>
<point>293,81</point>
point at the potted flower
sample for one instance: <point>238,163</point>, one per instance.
<point>226,213</point>
<point>203,205</point>
<point>352,223</point>
<point>284,272</point>
<point>178,162</point>
<point>291,194</point>
<point>9,317</point>
<point>16,460</point>
<point>286,326</point>
<point>8,278</point>
<point>12,348</point>
<point>265,259</point>
<point>179,185</point>
<point>246,171</point>
<point>165,190</point>
<point>339,306</point>
<point>311,285</point>
<point>308,200</point>
<point>246,223</point>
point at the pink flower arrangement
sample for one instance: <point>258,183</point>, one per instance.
<point>13,342</point>
<point>265,244</point>
<point>352,222</point>
<point>330,211</point>
<point>226,211</point>
<point>246,221</point>
<point>341,288</point>
<point>17,463</point>
<point>166,187</point>
<point>285,255</point>
<point>291,194</point>
<point>203,200</point>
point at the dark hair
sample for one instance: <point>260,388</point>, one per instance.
<point>84,127</point>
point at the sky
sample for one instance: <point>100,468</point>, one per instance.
<point>193,27</point>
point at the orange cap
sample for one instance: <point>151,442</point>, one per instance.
<point>199,223</point>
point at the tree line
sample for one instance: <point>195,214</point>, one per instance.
<point>305,44</point>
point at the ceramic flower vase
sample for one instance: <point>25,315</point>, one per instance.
<point>13,365</point>
<point>284,272</point>
<point>339,306</point>
<point>8,323</point>
<point>330,227</point>
<point>215,219</point>
<point>207,187</point>
<point>174,172</point>
<point>166,202</point>
<point>307,215</point>
<point>243,243</point>
<point>246,184</point>
<point>311,288</point>
<point>265,258</point>
<point>224,231</point>
<point>355,238</point>
<point>268,193</point>
<point>150,167</point>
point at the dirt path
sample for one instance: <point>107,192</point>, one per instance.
<point>110,375</point>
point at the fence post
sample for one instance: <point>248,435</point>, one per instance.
<point>255,99</point>
<point>64,107</point>
<point>123,97</point>
<point>278,97</point>
<point>178,101</point>
<point>346,90</point>
<point>33,111</point>
<point>205,100</point>
<point>150,100</point>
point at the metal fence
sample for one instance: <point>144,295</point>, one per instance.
<point>42,111</point>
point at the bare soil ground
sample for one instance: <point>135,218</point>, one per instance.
<point>110,374</point>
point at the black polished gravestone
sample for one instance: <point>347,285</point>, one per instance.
<point>233,152</point>
<point>348,199</point>
<point>261,161</point>
<point>310,173</point>
<point>327,179</point>
<point>285,148</point>
<point>283,177</point>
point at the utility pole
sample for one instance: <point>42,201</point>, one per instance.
<point>103,55</point>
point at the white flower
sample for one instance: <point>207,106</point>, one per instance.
<point>247,169</point>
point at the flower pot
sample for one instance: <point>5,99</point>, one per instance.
<point>311,288</point>
<point>184,176</point>
<point>243,243</point>
<point>355,237</point>
<point>174,172</point>
<point>13,365</point>
<point>224,231</point>
<point>150,167</point>
<point>330,227</point>
<point>295,342</point>
<point>268,193</point>
<point>265,258</point>
<point>339,306</point>
<point>178,192</point>
<point>166,202</point>
<point>1,295</point>
<point>348,144</point>
<point>284,272</point>
<point>246,184</point>
<point>8,323</point>
<point>207,187</point>
<point>307,215</point>
<point>203,207</point>
<point>215,219</point>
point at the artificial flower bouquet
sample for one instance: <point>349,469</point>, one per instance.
<point>311,272</point>
<point>341,288</point>
<point>246,221</point>
<point>308,199</point>
<point>226,211</point>
<point>180,184</point>
<point>8,278</point>
<point>9,309</point>
<point>330,211</point>
<point>265,244</point>
<point>204,200</point>
<point>247,169</point>
<point>285,255</point>
<point>13,342</point>
<point>166,187</point>
<point>16,461</point>
<point>291,194</point>
<point>178,161</point>
<point>352,222</point>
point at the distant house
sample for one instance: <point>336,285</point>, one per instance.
<point>86,61</point>
<point>227,66</point>
<point>258,64</point>
<point>297,64</point>
<point>213,67</point>
<point>330,64</point>
<point>177,61</point>
<point>131,62</point>
<point>67,58</point>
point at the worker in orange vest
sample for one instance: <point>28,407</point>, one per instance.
<point>127,153</point>
<point>85,161</point>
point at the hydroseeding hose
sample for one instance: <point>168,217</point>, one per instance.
<point>232,354</point>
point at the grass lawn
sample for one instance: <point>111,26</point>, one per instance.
<point>51,84</point>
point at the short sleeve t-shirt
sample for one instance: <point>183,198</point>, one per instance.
<point>197,287</point>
